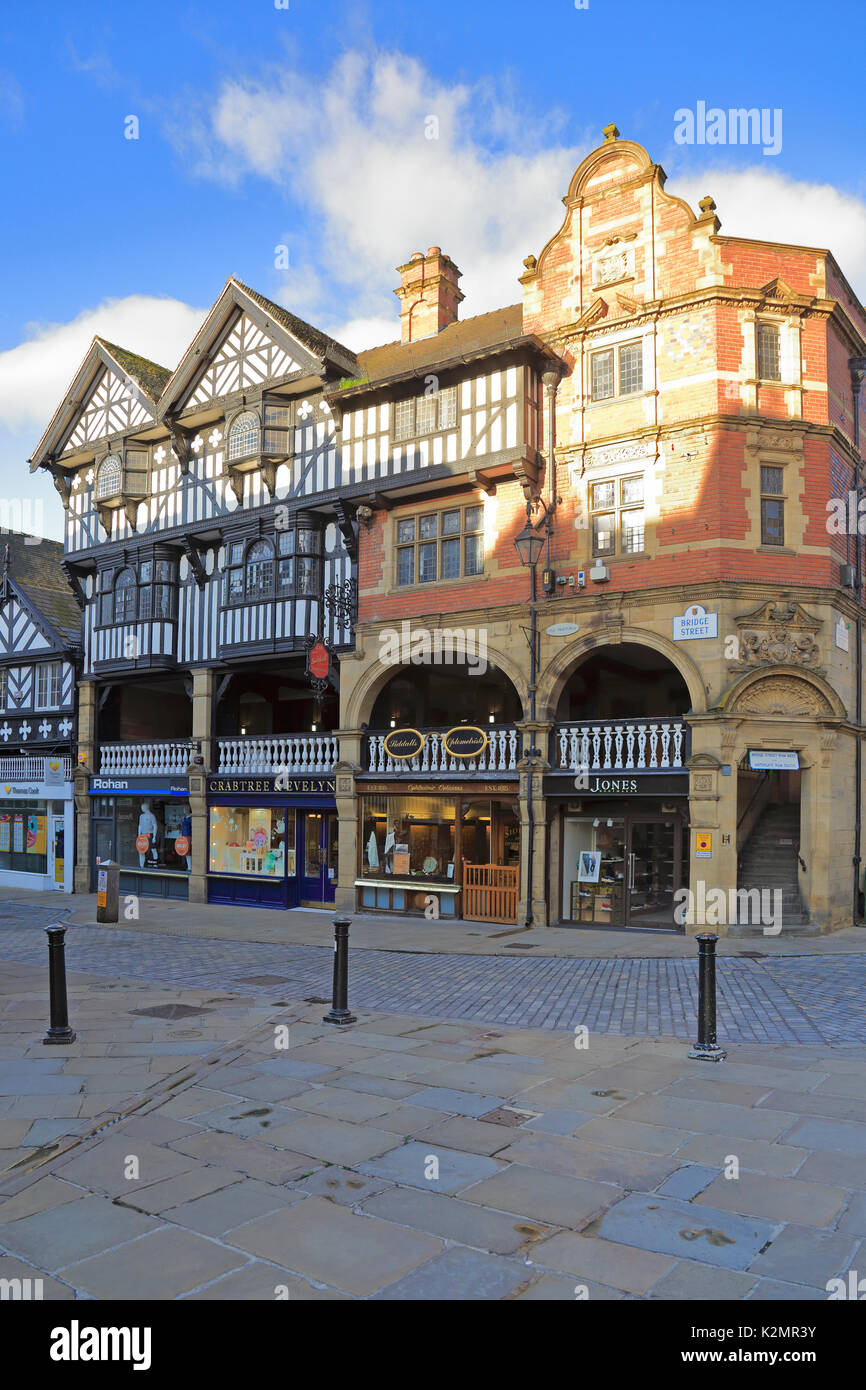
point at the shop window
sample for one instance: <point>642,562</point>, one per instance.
<point>616,372</point>
<point>617,511</point>
<point>254,840</point>
<point>408,837</point>
<point>24,837</point>
<point>768,353</point>
<point>772,505</point>
<point>146,831</point>
<point>440,545</point>
<point>424,414</point>
<point>49,681</point>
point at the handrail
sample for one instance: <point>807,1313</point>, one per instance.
<point>761,783</point>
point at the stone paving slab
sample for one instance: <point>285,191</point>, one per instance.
<point>666,1226</point>
<point>164,1264</point>
<point>414,1163</point>
<point>604,1261</point>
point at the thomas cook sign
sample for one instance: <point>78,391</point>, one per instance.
<point>466,741</point>
<point>404,743</point>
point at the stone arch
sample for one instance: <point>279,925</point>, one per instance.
<point>783,690</point>
<point>557,671</point>
<point>376,676</point>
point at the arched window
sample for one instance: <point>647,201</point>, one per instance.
<point>108,477</point>
<point>260,570</point>
<point>125,593</point>
<point>244,435</point>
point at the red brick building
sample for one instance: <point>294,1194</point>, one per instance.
<point>690,716</point>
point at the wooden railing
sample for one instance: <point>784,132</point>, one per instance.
<point>490,892</point>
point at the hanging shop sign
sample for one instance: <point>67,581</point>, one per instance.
<point>319,661</point>
<point>466,741</point>
<point>773,760</point>
<point>695,623</point>
<point>404,743</point>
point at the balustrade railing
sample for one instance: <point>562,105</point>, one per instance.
<point>500,755</point>
<point>145,759</point>
<point>33,769</point>
<point>620,745</point>
<point>275,753</point>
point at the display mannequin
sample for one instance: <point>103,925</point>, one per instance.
<point>186,830</point>
<point>147,826</point>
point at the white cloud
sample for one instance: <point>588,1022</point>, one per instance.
<point>35,375</point>
<point>389,160</point>
<point>768,205</point>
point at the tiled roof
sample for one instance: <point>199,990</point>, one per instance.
<point>35,569</point>
<point>464,336</point>
<point>149,375</point>
<point>318,343</point>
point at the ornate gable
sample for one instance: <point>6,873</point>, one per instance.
<point>111,408</point>
<point>246,358</point>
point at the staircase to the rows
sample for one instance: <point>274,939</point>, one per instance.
<point>768,860</point>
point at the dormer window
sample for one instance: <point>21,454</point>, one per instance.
<point>244,434</point>
<point>109,478</point>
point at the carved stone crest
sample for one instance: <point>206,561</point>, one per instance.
<point>778,634</point>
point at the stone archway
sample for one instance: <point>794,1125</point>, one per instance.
<point>557,672</point>
<point>376,675</point>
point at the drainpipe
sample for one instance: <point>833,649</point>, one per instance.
<point>533,751</point>
<point>857,367</point>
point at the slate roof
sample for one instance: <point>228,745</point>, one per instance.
<point>457,340</point>
<point>149,375</point>
<point>35,570</point>
<point>318,343</point>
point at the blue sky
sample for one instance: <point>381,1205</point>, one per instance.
<point>307,127</point>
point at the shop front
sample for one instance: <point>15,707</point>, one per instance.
<point>439,849</point>
<point>619,849</point>
<point>37,832</point>
<point>272,841</point>
<point>144,825</point>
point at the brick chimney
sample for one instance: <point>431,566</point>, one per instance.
<point>428,294</point>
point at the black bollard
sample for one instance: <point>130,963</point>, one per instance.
<point>59,1031</point>
<point>706,1049</point>
<point>340,1006</point>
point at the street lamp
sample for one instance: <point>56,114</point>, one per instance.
<point>529,545</point>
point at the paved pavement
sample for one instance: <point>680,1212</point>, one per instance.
<point>310,927</point>
<point>270,1156</point>
<point>778,999</point>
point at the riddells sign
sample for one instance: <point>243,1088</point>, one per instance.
<point>404,743</point>
<point>696,622</point>
<point>466,741</point>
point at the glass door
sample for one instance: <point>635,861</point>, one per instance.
<point>654,860</point>
<point>318,854</point>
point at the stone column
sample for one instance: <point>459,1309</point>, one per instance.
<point>202,714</point>
<point>532,901</point>
<point>87,752</point>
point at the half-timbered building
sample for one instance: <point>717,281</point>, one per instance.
<point>532,617</point>
<point>40,650</point>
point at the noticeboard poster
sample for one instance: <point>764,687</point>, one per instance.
<point>18,832</point>
<point>5,823</point>
<point>36,833</point>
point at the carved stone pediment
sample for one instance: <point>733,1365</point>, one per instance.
<point>782,695</point>
<point>778,634</point>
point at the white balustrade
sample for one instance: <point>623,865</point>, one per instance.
<point>305,754</point>
<point>500,755</point>
<point>144,759</point>
<point>31,769</point>
<point>626,746</point>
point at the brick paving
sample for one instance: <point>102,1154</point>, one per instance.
<point>780,999</point>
